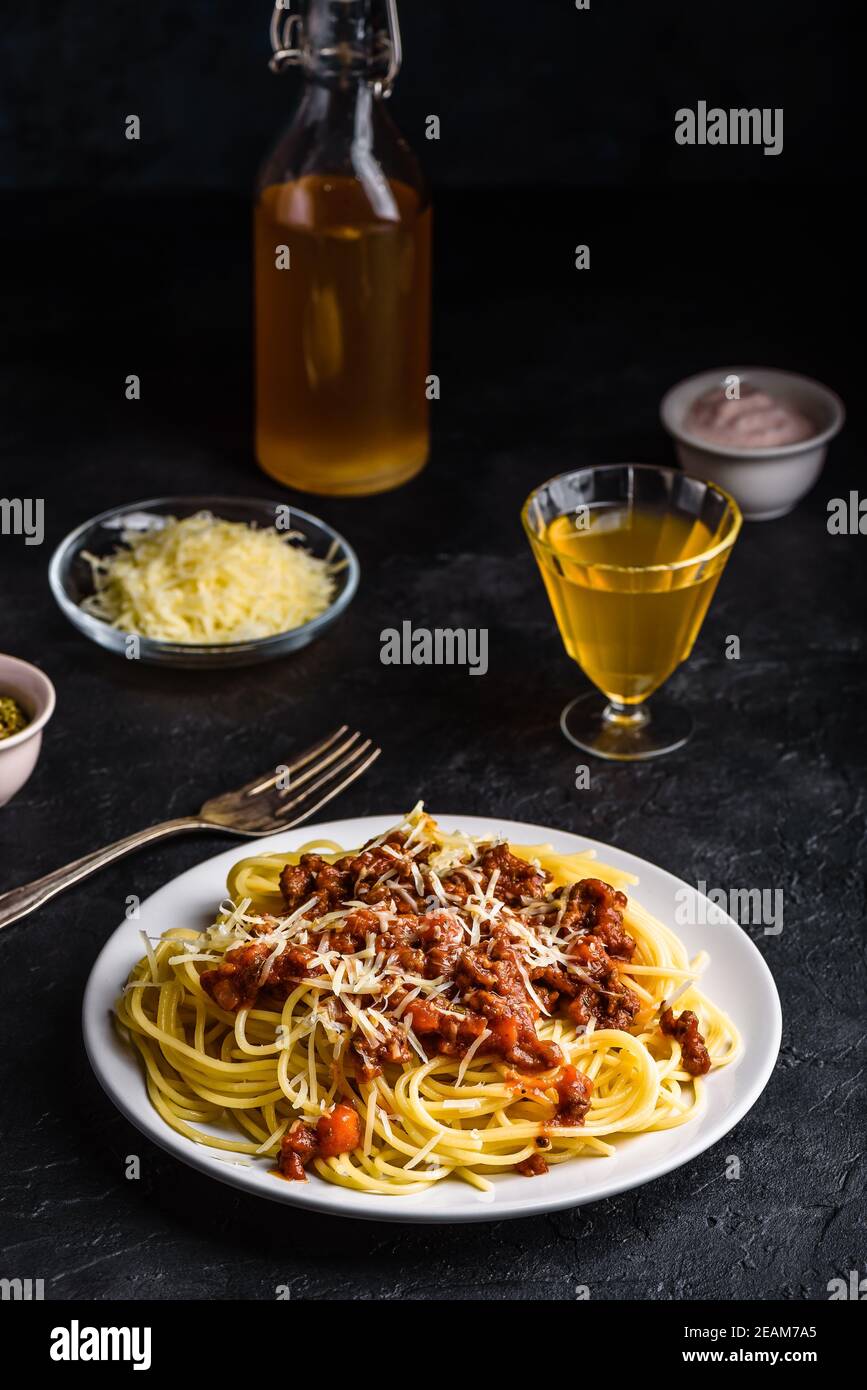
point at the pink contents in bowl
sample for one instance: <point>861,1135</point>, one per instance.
<point>752,420</point>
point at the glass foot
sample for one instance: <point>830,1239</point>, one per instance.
<point>625,733</point>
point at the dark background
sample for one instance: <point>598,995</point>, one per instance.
<point>557,128</point>
<point>527,93</point>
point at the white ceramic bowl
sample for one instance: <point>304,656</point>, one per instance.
<point>35,694</point>
<point>766,483</point>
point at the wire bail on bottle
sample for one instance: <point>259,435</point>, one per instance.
<point>292,47</point>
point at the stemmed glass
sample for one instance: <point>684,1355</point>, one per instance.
<point>630,555</point>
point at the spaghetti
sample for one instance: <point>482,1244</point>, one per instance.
<point>431,1006</point>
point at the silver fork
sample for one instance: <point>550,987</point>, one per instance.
<point>262,807</point>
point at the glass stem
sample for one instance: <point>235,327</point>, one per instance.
<point>626,716</point>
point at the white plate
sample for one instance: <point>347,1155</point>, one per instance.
<point>737,980</point>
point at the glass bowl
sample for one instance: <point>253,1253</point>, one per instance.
<point>69,575</point>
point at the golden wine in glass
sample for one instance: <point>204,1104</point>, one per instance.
<point>630,556</point>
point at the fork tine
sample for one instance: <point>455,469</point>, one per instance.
<point>325,776</point>
<point>265,780</point>
<point>353,765</point>
<point>320,766</point>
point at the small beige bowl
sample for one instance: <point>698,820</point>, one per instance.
<point>35,694</point>
<point>766,483</point>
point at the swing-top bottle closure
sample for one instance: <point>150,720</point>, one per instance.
<point>331,39</point>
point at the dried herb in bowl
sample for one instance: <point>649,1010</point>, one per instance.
<point>12,717</point>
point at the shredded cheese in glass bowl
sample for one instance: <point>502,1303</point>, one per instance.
<point>203,581</point>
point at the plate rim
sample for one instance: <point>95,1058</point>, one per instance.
<point>336,1201</point>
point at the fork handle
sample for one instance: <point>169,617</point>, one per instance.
<point>19,901</point>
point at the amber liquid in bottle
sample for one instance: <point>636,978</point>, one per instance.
<point>342,335</point>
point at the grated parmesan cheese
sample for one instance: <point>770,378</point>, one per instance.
<point>206,581</point>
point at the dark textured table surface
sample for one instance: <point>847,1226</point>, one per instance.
<point>542,368</point>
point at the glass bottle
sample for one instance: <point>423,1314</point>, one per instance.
<point>342,264</point>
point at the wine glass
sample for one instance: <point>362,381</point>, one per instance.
<point>630,555</point>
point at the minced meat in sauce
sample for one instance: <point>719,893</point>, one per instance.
<point>389,901</point>
<point>338,1131</point>
<point>684,1027</point>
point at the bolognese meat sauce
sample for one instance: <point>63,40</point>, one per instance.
<point>684,1028</point>
<point>337,1132</point>
<point>469,960</point>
